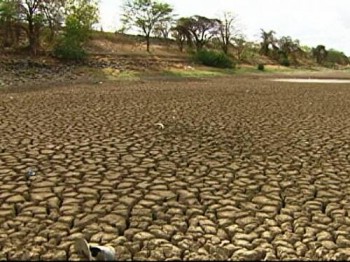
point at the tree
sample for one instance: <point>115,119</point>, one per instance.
<point>268,39</point>
<point>181,33</point>
<point>80,17</point>
<point>180,39</point>
<point>162,29</point>
<point>9,22</point>
<point>201,29</point>
<point>289,49</point>
<point>320,53</point>
<point>54,15</point>
<point>31,16</point>
<point>306,51</point>
<point>240,46</point>
<point>227,30</point>
<point>337,57</point>
<point>31,13</point>
<point>145,15</point>
<point>84,11</point>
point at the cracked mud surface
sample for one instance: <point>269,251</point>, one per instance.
<point>245,169</point>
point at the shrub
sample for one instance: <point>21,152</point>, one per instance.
<point>285,61</point>
<point>336,57</point>
<point>213,59</point>
<point>261,67</point>
<point>70,46</point>
<point>68,50</point>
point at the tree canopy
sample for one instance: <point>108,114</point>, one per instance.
<point>198,29</point>
<point>145,15</point>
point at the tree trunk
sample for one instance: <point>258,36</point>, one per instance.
<point>180,45</point>
<point>199,45</point>
<point>31,36</point>
<point>52,32</point>
<point>148,42</point>
<point>225,48</point>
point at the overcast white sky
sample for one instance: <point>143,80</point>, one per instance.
<point>313,22</point>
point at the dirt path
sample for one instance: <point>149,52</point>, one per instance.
<point>243,169</point>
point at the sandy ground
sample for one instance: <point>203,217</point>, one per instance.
<point>312,80</point>
<point>244,169</point>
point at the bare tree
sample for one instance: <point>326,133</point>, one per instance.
<point>228,30</point>
<point>240,46</point>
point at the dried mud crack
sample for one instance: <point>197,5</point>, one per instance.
<point>244,169</point>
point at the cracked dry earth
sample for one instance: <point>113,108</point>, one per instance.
<point>245,169</point>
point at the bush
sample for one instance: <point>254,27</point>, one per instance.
<point>285,62</point>
<point>70,45</point>
<point>261,67</point>
<point>213,59</point>
<point>336,57</point>
<point>67,50</point>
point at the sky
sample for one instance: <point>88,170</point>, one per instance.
<point>313,22</point>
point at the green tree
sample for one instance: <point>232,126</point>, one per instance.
<point>320,54</point>
<point>34,15</point>
<point>289,50</point>
<point>145,15</point>
<point>86,12</point>
<point>80,17</point>
<point>306,51</point>
<point>199,29</point>
<point>337,57</point>
<point>162,29</point>
<point>268,40</point>
<point>31,13</point>
<point>181,33</point>
<point>9,12</point>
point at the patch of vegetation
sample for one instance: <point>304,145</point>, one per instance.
<point>65,27</point>
<point>196,73</point>
<point>335,57</point>
<point>285,61</point>
<point>261,67</point>
<point>115,74</point>
<point>213,59</point>
<point>67,49</point>
<point>77,31</point>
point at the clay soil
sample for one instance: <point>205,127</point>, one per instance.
<point>244,169</point>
